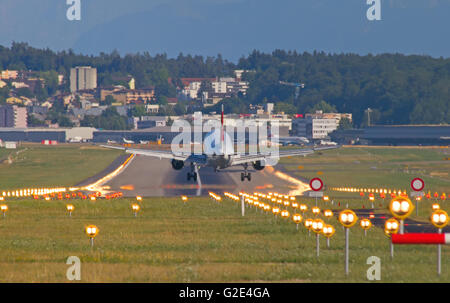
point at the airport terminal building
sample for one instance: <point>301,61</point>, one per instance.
<point>395,135</point>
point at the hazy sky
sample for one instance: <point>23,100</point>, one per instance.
<point>230,27</point>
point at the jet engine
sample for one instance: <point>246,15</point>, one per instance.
<point>258,165</point>
<point>177,164</point>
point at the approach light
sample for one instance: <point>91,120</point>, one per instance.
<point>297,218</point>
<point>285,214</point>
<point>136,208</point>
<point>348,218</point>
<point>328,213</point>
<point>70,208</point>
<point>139,198</point>
<point>365,224</point>
<point>401,207</point>
<point>92,232</point>
<point>439,218</point>
<point>328,231</point>
<point>317,226</point>
<point>4,209</point>
<point>315,210</point>
<point>303,208</point>
<point>391,226</point>
<point>275,210</point>
<point>308,223</point>
<point>435,206</point>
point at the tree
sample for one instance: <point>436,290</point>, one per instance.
<point>109,100</point>
<point>282,107</point>
<point>324,107</point>
<point>345,123</point>
<point>24,92</point>
<point>138,111</point>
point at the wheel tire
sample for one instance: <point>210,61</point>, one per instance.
<point>242,177</point>
<point>249,177</point>
<point>195,177</point>
<point>189,176</point>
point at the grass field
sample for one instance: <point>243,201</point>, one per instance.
<point>201,241</point>
<point>34,165</point>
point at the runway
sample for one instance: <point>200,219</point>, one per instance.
<point>147,176</point>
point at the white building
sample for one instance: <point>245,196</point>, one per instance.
<point>313,128</point>
<point>83,78</point>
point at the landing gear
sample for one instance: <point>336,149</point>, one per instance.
<point>245,174</point>
<point>192,174</point>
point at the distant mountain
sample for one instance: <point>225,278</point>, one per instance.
<point>231,27</point>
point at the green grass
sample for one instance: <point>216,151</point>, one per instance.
<point>201,241</point>
<point>64,165</point>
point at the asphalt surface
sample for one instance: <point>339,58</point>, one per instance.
<point>410,226</point>
<point>147,176</point>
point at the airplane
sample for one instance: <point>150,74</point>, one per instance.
<point>127,141</point>
<point>293,141</point>
<point>218,155</point>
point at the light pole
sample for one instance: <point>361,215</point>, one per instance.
<point>308,224</point>
<point>92,232</point>
<point>136,208</point>
<point>439,219</point>
<point>70,208</point>
<point>365,224</point>
<point>391,226</point>
<point>328,231</point>
<point>297,218</point>
<point>347,218</point>
<point>315,210</point>
<point>4,209</point>
<point>317,227</point>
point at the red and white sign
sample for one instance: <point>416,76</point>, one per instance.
<point>411,238</point>
<point>316,184</point>
<point>49,142</point>
<point>417,184</point>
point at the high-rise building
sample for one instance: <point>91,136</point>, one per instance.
<point>13,116</point>
<point>82,78</point>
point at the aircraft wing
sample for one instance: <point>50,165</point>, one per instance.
<point>242,159</point>
<point>152,153</point>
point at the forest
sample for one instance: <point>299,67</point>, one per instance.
<point>398,89</point>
